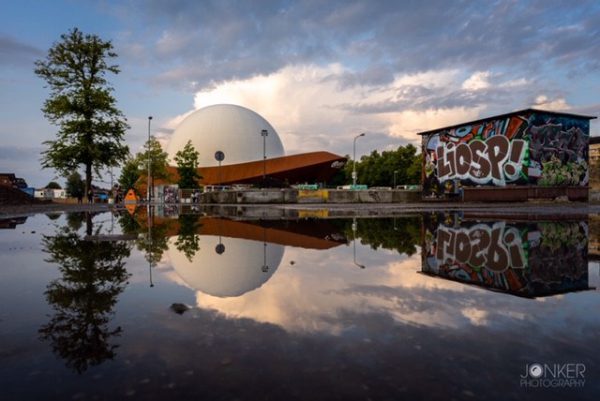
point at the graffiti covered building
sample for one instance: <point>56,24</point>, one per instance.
<point>516,156</point>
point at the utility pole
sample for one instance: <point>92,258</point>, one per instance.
<point>354,159</point>
<point>264,133</point>
<point>148,192</point>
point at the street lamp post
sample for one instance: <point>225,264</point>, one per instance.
<point>395,174</point>
<point>264,133</point>
<point>148,192</point>
<point>354,159</point>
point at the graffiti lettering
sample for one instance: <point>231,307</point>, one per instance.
<point>497,160</point>
<point>496,248</point>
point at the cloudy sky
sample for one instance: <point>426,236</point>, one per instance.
<point>319,71</point>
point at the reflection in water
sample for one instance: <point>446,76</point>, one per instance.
<point>92,276</point>
<point>528,259</point>
<point>188,241</point>
<point>399,234</point>
<point>12,223</point>
<point>237,270</point>
<point>319,328</point>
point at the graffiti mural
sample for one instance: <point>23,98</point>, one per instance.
<point>527,259</point>
<point>529,148</point>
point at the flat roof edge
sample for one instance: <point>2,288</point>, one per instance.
<point>506,115</point>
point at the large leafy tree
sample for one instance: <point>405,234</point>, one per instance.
<point>187,166</point>
<point>75,186</point>
<point>81,104</point>
<point>53,185</point>
<point>377,169</point>
<point>158,158</point>
<point>130,173</point>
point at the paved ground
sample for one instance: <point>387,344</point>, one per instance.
<point>554,209</point>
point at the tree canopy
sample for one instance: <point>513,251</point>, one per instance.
<point>187,166</point>
<point>377,169</point>
<point>130,173</point>
<point>53,185</point>
<point>158,160</point>
<point>75,186</point>
<point>91,128</point>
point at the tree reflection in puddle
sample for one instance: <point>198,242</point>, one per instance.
<point>93,275</point>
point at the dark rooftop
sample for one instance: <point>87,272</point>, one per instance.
<point>512,113</point>
<point>594,140</point>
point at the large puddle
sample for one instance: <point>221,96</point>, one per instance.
<point>178,306</point>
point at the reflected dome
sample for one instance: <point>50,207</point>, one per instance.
<point>235,271</point>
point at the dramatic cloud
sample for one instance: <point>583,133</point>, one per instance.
<point>202,43</point>
<point>313,108</point>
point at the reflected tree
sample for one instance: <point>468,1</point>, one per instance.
<point>188,241</point>
<point>129,224</point>
<point>152,237</point>
<point>400,234</point>
<point>93,274</point>
<point>153,242</point>
<point>75,220</point>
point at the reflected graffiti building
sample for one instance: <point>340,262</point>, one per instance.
<point>517,156</point>
<point>528,259</point>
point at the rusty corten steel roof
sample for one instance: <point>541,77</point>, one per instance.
<point>304,167</point>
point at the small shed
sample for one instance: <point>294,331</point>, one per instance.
<point>516,156</point>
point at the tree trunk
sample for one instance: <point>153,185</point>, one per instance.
<point>89,227</point>
<point>88,178</point>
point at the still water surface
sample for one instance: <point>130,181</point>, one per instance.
<point>426,307</point>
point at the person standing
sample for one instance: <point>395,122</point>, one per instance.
<point>90,196</point>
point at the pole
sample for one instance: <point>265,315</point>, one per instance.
<point>354,228</point>
<point>354,159</point>
<point>148,192</point>
<point>264,133</point>
<point>395,172</point>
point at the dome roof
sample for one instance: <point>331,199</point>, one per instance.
<point>237,269</point>
<point>234,130</point>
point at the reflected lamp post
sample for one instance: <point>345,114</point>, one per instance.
<point>148,193</point>
<point>264,133</point>
<point>354,159</point>
<point>354,228</point>
<point>265,267</point>
<point>150,221</point>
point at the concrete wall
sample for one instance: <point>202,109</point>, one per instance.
<point>304,197</point>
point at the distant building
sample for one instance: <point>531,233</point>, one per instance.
<point>594,168</point>
<point>510,157</point>
<point>594,148</point>
<point>248,147</point>
<point>7,180</point>
<point>43,193</point>
<point>10,180</point>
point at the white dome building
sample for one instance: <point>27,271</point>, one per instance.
<point>234,130</point>
<point>230,271</point>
